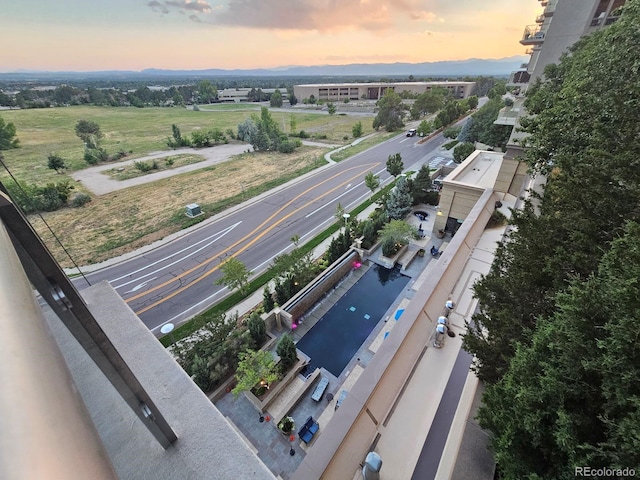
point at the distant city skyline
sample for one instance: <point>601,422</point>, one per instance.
<point>76,35</point>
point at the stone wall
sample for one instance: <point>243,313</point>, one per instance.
<point>309,295</point>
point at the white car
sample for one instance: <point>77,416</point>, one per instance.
<point>411,132</point>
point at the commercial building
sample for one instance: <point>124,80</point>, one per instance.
<point>337,92</point>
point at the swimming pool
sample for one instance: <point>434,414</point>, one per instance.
<point>334,340</point>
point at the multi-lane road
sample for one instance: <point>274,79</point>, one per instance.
<point>176,280</point>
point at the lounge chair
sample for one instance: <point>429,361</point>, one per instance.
<point>308,430</point>
<point>320,388</point>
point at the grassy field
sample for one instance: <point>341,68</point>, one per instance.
<point>362,146</point>
<point>138,131</point>
<point>122,221</point>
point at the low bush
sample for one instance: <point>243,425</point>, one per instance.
<point>80,199</point>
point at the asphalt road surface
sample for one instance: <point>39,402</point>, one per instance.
<point>176,281</point>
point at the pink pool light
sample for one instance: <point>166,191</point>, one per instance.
<point>357,264</point>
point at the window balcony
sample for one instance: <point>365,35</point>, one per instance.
<point>532,35</point>
<point>540,18</point>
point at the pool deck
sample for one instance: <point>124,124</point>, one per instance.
<point>271,446</point>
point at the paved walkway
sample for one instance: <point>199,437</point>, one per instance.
<point>98,181</point>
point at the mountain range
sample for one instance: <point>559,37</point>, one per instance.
<point>449,68</point>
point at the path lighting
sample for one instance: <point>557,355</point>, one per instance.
<point>346,217</point>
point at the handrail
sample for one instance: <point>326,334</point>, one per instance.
<point>46,429</point>
<point>47,277</point>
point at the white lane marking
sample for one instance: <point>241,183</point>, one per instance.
<point>340,196</point>
<point>347,187</point>
<point>401,141</point>
<point>214,238</point>
<point>139,286</point>
<point>258,267</point>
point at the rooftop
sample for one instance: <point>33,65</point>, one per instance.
<point>479,170</point>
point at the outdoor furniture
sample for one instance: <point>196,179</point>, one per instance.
<point>320,388</point>
<point>341,397</point>
<point>308,430</point>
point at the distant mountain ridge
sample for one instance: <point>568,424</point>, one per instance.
<point>471,67</point>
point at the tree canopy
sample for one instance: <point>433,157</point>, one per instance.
<point>556,338</point>
<point>390,112</point>
<point>235,275</point>
<point>8,138</point>
<point>394,164</point>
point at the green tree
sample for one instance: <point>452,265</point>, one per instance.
<point>276,99</point>
<point>398,233</point>
<point>390,112</point>
<point>422,185</point>
<point>257,329</point>
<point>425,128</point>
<point>207,92</point>
<point>372,181</point>
<point>254,367</point>
<point>292,99</point>
<point>583,404</point>
<point>8,138</point>
<point>89,132</point>
<point>235,275</point>
<point>56,162</point>
<point>331,108</point>
<point>555,340</point>
<point>247,130</point>
<point>428,102</point>
<point>267,299</point>
<point>472,101</point>
<point>462,151</point>
<point>399,201</point>
<point>356,130</point>
<point>286,350</point>
<point>394,164</point>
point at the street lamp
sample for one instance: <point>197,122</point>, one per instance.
<point>346,217</point>
<point>168,328</point>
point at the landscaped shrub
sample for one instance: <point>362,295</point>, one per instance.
<point>286,350</point>
<point>267,299</point>
<point>214,357</point>
<point>146,166</point>
<point>80,199</point>
<point>389,247</point>
<point>303,134</point>
<point>257,329</point>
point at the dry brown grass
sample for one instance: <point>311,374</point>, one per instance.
<point>122,221</point>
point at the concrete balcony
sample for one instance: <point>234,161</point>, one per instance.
<point>532,35</point>
<point>550,8</point>
<point>508,116</point>
<point>540,18</point>
<point>519,77</point>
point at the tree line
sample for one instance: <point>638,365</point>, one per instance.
<point>556,338</point>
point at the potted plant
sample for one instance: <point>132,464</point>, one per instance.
<point>441,233</point>
<point>287,425</point>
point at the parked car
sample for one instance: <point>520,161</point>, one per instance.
<point>411,132</point>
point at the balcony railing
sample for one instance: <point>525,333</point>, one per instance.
<point>532,35</point>
<point>519,77</point>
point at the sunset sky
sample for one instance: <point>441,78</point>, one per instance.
<point>90,35</point>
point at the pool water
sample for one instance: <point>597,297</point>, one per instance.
<point>333,341</point>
